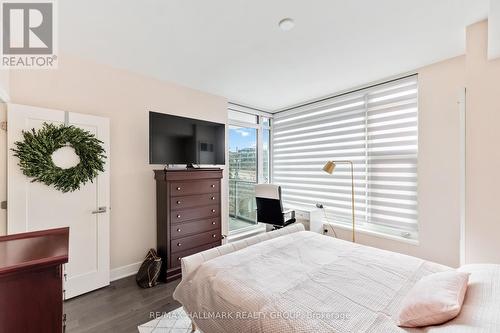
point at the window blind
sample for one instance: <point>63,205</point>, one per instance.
<point>375,128</point>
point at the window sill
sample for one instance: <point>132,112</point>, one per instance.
<point>236,236</point>
<point>261,228</point>
<point>374,233</point>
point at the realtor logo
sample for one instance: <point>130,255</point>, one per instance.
<point>28,32</point>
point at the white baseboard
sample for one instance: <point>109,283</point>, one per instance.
<point>124,271</point>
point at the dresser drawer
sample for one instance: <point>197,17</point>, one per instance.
<point>194,227</point>
<point>194,213</point>
<point>175,260</point>
<point>190,242</point>
<point>194,187</point>
<point>194,200</point>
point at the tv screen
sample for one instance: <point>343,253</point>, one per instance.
<point>180,140</point>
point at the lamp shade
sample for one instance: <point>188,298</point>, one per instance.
<point>329,167</point>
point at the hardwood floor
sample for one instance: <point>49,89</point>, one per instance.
<point>120,307</point>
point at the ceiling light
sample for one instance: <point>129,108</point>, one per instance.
<point>286,24</point>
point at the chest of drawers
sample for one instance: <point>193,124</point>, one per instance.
<point>188,203</point>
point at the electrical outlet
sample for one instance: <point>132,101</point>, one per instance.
<point>329,231</point>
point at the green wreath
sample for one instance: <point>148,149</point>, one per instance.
<point>35,156</point>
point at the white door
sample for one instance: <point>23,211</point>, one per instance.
<point>36,206</point>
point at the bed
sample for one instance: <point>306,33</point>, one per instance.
<point>291,280</point>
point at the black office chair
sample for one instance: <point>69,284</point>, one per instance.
<point>270,207</point>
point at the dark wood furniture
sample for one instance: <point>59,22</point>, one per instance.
<point>31,285</point>
<point>188,203</point>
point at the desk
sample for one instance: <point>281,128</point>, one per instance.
<point>312,216</point>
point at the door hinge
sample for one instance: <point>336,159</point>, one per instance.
<point>3,205</point>
<point>3,125</point>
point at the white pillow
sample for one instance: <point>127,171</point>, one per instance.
<point>435,299</point>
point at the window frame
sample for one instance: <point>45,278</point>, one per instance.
<point>259,127</point>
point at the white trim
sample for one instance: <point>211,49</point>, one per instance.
<point>124,271</point>
<point>361,230</point>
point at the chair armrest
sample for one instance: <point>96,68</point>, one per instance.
<point>289,211</point>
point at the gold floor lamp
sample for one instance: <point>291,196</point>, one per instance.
<point>328,168</point>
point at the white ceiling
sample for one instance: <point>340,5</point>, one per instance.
<point>235,49</point>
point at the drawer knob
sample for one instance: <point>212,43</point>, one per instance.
<point>213,222</point>
<point>212,186</point>
<point>178,188</point>
<point>178,215</point>
<point>179,244</point>
<point>178,202</point>
<point>178,229</point>
<point>213,210</point>
<point>212,198</point>
<point>178,258</point>
<point>214,236</point>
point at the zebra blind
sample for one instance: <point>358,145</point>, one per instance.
<point>376,129</point>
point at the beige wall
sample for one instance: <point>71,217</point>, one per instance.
<point>440,86</point>
<point>82,86</point>
<point>483,152</point>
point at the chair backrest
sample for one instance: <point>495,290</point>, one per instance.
<point>269,205</point>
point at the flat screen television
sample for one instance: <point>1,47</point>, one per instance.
<point>180,140</point>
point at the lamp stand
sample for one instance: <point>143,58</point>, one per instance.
<point>352,201</point>
<point>329,168</point>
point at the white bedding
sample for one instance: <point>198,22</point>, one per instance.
<point>306,282</point>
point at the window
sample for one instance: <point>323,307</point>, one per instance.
<point>242,176</point>
<point>249,163</point>
<point>376,128</point>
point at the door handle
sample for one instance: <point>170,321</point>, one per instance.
<point>100,210</point>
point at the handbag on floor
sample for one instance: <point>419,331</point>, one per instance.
<point>148,273</point>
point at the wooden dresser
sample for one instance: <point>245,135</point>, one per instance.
<point>31,285</point>
<point>188,205</point>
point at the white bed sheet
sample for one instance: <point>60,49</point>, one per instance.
<point>306,282</point>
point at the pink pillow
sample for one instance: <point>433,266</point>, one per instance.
<point>435,299</point>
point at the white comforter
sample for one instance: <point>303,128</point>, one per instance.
<point>306,282</point>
